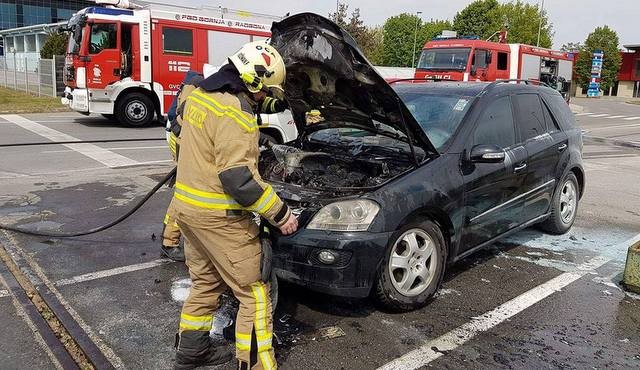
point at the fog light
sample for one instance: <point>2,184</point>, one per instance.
<point>327,257</point>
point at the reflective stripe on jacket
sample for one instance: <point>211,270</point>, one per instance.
<point>218,161</point>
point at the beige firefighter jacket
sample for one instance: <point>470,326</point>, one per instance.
<point>218,161</point>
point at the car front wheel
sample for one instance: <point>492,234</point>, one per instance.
<point>413,267</point>
<point>564,206</point>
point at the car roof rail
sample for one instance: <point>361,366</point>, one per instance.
<point>423,79</point>
<point>519,80</point>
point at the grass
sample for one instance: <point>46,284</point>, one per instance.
<point>12,101</point>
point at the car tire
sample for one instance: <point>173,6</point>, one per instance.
<point>110,117</point>
<point>392,289</point>
<point>135,110</point>
<point>564,206</point>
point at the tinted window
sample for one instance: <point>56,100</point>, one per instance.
<point>495,126</point>
<point>503,61</point>
<point>560,110</point>
<point>438,115</point>
<point>103,36</point>
<point>177,41</point>
<point>530,121</point>
<point>552,124</point>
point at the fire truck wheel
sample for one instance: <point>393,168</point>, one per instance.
<point>135,109</point>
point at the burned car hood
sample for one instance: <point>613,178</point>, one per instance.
<point>326,71</point>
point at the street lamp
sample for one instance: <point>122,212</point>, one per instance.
<point>540,23</point>
<point>415,40</point>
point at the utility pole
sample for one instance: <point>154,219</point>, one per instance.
<point>540,23</point>
<point>415,40</point>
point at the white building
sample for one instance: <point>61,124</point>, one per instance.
<point>22,45</point>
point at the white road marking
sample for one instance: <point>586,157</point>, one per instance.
<point>614,117</point>
<point>104,156</point>
<point>118,148</point>
<point>584,114</point>
<point>616,126</point>
<point>111,272</point>
<point>437,348</point>
<point>599,115</point>
<point>631,118</point>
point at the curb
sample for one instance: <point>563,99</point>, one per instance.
<point>627,144</point>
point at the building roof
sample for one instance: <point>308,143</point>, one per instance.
<point>634,47</point>
<point>30,30</point>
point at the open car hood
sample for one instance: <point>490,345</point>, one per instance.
<point>327,71</point>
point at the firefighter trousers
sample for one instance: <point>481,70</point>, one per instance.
<point>224,254</point>
<point>171,230</point>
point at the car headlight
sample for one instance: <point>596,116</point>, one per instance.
<point>348,215</point>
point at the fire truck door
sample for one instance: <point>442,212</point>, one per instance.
<point>479,65</point>
<point>104,66</point>
<point>174,55</point>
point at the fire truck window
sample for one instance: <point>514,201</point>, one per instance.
<point>480,59</point>
<point>177,41</point>
<point>530,116</point>
<point>503,61</point>
<point>495,126</point>
<point>103,36</point>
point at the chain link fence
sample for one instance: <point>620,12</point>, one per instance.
<point>41,77</point>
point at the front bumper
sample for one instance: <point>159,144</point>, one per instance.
<point>359,255</point>
<point>76,99</point>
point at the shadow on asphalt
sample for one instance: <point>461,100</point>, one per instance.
<point>103,122</point>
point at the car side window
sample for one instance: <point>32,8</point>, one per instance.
<point>495,126</point>
<point>552,123</point>
<point>530,117</point>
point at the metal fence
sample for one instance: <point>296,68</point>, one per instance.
<point>41,77</point>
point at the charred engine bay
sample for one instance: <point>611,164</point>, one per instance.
<point>346,165</point>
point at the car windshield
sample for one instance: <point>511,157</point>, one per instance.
<point>438,115</point>
<point>444,59</point>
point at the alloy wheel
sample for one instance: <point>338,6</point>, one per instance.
<point>413,262</point>
<point>568,202</point>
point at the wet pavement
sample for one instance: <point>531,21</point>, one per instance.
<point>126,299</point>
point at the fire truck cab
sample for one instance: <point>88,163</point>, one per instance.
<point>129,63</point>
<point>471,59</point>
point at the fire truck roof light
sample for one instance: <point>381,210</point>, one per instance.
<point>108,11</point>
<point>122,4</point>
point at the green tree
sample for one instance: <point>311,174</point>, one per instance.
<point>605,39</point>
<point>398,38</point>
<point>480,18</point>
<point>55,44</point>
<point>523,21</point>
<point>369,39</point>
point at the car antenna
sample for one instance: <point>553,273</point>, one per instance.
<point>406,131</point>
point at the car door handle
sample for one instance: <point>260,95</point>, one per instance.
<point>562,147</point>
<point>520,167</point>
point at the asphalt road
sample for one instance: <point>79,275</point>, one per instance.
<point>530,301</point>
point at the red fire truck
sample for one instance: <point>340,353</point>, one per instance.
<point>129,62</point>
<point>471,59</point>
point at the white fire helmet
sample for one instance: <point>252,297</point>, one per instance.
<point>261,67</point>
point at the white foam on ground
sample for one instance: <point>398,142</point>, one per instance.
<point>180,290</point>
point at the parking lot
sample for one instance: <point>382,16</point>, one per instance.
<point>532,300</point>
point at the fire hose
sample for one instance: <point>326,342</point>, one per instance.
<point>97,229</point>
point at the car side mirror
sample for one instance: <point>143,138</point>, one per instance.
<point>474,70</point>
<point>487,154</point>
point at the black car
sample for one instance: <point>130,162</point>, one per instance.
<point>391,185</point>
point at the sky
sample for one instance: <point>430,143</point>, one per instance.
<point>572,20</point>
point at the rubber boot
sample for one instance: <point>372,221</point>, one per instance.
<point>174,253</point>
<point>195,349</point>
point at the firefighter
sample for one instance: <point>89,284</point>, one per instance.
<point>171,247</point>
<point>217,189</point>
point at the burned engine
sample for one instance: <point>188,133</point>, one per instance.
<point>331,167</point>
